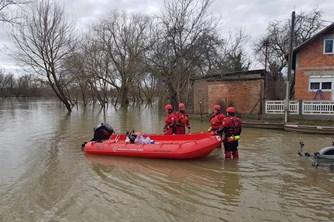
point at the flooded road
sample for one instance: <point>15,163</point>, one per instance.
<point>45,176</point>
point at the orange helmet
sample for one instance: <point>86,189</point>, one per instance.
<point>230,109</point>
<point>217,107</point>
<point>182,106</point>
<point>168,107</point>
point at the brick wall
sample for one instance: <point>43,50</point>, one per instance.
<point>302,88</point>
<point>244,95</point>
<point>200,103</point>
<point>311,55</point>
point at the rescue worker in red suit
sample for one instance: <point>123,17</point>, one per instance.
<point>170,120</point>
<point>216,119</point>
<point>182,120</point>
<point>232,130</point>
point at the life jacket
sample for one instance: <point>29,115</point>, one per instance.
<point>170,127</point>
<point>182,118</point>
<point>232,125</point>
<point>216,121</point>
<point>170,119</point>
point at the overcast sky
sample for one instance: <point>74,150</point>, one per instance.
<point>251,15</point>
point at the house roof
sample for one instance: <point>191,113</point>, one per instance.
<point>298,48</point>
<point>242,75</point>
<point>328,28</point>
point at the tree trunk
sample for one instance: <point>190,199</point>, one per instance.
<point>124,96</point>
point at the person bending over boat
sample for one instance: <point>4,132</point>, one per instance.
<point>182,120</point>
<point>232,130</point>
<point>170,120</point>
<point>216,119</point>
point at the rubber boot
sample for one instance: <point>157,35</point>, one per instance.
<point>228,155</point>
<point>235,155</point>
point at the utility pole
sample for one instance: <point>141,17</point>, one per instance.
<point>264,86</point>
<point>287,98</point>
<point>266,45</point>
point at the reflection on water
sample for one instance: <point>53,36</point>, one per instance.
<point>195,186</point>
<point>46,177</point>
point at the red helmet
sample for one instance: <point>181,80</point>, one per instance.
<point>182,106</point>
<point>217,107</point>
<point>230,109</point>
<point>168,107</point>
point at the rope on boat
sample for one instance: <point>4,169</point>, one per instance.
<point>117,137</point>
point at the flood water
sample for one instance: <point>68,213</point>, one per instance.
<point>45,176</point>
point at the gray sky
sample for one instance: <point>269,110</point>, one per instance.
<point>251,15</point>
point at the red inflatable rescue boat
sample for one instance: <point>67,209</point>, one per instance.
<point>181,146</point>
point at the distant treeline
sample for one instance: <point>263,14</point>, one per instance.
<point>22,86</point>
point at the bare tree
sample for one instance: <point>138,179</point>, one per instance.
<point>149,86</point>
<point>75,66</point>
<point>273,47</point>
<point>44,40</point>
<point>126,38</point>
<point>7,83</point>
<point>7,9</point>
<point>184,38</point>
<point>212,54</point>
<point>97,68</point>
<point>234,56</point>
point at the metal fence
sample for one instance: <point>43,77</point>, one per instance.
<point>310,107</point>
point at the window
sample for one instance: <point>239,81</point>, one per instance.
<point>315,85</point>
<point>325,86</point>
<point>328,46</point>
<point>321,82</point>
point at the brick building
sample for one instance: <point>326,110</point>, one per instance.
<point>313,63</point>
<point>246,91</point>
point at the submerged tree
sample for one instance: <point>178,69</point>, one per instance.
<point>124,39</point>
<point>95,68</point>
<point>44,40</point>
<point>182,45</point>
<point>7,83</point>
